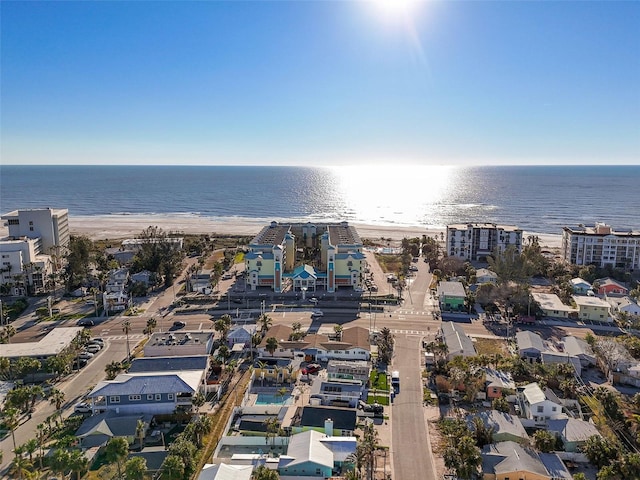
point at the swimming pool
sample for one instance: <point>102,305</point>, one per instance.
<point>273,399</point>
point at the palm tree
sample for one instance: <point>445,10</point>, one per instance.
<point>30,447</point>
<point>78,463</point>
<point>126,327</point>
<point>151,324</point>
<point>7,332</point>
<point>221,326</point>
<point>198,400</point>
<point>21,467</point>
<point>10,418</point>
<point>202,426</point>
<point>117,450</point>
<point>264,473</point>
<point>265,323</point>
<point>40,437</point>
<point>141,427</point>
<point>5,368</point>
<point>56,397</point>
<point>256,339</point>
<point>262,366</point>
<point>271,345</point>
<point>273,428</point>
<point>338,331</point>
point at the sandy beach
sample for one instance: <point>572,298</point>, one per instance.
<point>128,226</point>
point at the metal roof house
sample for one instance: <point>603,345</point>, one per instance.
<point>451,296</point>
<point>314,454</point>
<point>458,343</point>
<point>510,460</point>
<point>573,432</point>
<point>505,427</point>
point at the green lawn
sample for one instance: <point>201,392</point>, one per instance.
<point>378,381</point>
<point>382,399</point>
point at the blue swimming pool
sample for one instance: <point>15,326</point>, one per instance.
<point>273,399</point>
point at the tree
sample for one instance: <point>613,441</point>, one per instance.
<point>385,346</point>
<point>158,254</point>
<point>500,404</point>
<point>544,441</point>
<point>56,397</point>
<point>60,460</point>
<point>10,419</point>
<point>135,468</point>
<point>483,434</point>
<point>463,457</point>
<point>30,447</point>
<point>271,345</point>
<point>256,339</point>
<point>152,323</point>
<point>186,450</point>
<point>78,261</point>
<point>21,467</point>
<point>600,451</point>
<point>265,323</point>
<point>126,327</point>
<point>173,466</point>
<point>222,327</point>
<point>337,329</point>
<point>141,429</point>
<point>78,462</point>
<point>6,333</point>
<point>116,451</point>
<point>263,473</point>
<point>198,400</point>
<point>202,425</point>
<point>113,369</point>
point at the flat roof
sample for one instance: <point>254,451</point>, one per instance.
<point>550,301</point>
<point>272,234</point>
<point>343,234</point>
<point>583,301</point>
<point>451,289</point>
<point>51,344</point>
<point>465,226</point>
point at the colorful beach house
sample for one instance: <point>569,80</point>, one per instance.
<point>592,308</point>
<point>451,296</point>
<point>271,261</point>
<point>580,286</point>
<point>609,286</point>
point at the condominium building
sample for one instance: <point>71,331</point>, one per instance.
<point>601,245</point>
<point>271,260</point>
<point>474,241</point>
<point>50,226</point>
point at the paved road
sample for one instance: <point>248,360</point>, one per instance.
<point>407,416</point>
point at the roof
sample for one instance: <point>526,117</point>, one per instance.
<point>605,282</point>
<point>556,468</point>
<point>142,384</point>
<point>485,272</point>
<point>112,424</point>
<point>225,472</point>
<point>178,338</point>
<point>575,346</point>
<point>451,289</point>
<point>273,234</point>
<point>169,364</point>
<point>457,341</point>
<point>498,378</point>
<point>533,393</point>
<point>353,337</point>
<point>529,340</point>
<point>305,271</point>
<point>506,457</point>
<point>596,302</point>
<point>466,226</point>
<point>315,416</point>
<point>307,447</point>
<point>579,282</point>
<point>550,301</point>
<point>572,430</point>
<point>51,344</point>
<point>343,234</point>
<point>503,423</point>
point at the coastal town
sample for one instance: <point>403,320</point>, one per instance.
<point>309,351</point>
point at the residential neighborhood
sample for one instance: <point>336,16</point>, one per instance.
<point>199,358</point>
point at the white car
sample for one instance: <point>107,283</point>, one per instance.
<point>85,356</point>
<point>317,313</point>
<point>82,407</point>
<point>93,348</point>
<point>313,300</point>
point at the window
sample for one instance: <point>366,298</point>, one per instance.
<point>135,398</point>
<point>30,223</point>
<point>13,221</point>
<point>114,399</point>
<point>170,396</point>
<point>150,396</point>
<point>318,472</point>
<point>158,397</point>
<point>553,409</point>
<point>31,229</point>
<point>540,409</point>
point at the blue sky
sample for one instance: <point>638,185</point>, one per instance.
<point>320,82</point>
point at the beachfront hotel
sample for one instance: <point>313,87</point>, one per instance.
<point>475,241</point>
<point>278,254</point>
<point>601,245</point>
<point>25,254</point>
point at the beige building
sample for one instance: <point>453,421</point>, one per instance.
<point>593,308</point>
<point>475,241</point>
<point>601,245</point>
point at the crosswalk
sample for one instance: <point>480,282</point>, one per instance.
<point>132,336</point>
<point>420,333</point>
<point>413,312</point>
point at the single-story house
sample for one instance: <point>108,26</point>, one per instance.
<point>241,335</point>
<point>97,430</point>
<point>457,341</point>
<point>609,286</point>
<point>576,347</point>
<point>509,460</point>
<point>223,471</point>
<point>314,454</point>
<point>573,432</point>
<point>505,427</point>
<point>484,275</point>
<point>624,305</point>
<point>496,381</point>
<point>530,345</point>
<point>552,306</point>
<point>592,308</point>
<point>580,286</point>
<point>451,296</point>
<point>535,405</point>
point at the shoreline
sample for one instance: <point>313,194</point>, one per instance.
<point>121,226</point>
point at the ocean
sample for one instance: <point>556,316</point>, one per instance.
<point>539,199</point>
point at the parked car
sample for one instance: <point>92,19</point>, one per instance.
<point>317,313</point>
<point>370,407</point>
<point>98,341</point>
<point>93,348</point>
<point>179,324</point>
<point>85,356</point>
<point>84,322</point>
<point>311,368</point>
<point>82,407</point>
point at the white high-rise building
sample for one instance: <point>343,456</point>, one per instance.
<point>474,241</point>
<point>601,245</point>
<point>50,225</point>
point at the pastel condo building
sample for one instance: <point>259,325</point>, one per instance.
<point>305,257</point>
